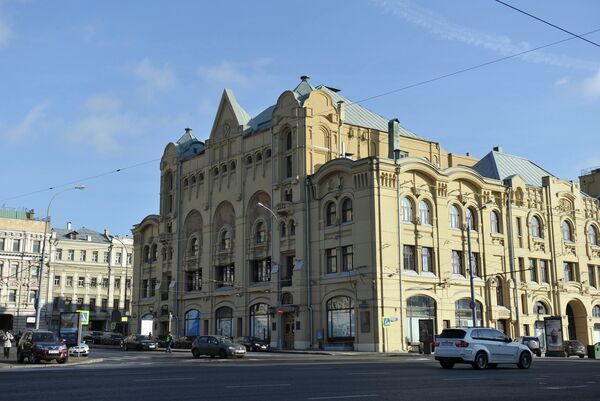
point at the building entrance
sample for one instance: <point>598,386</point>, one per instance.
<point>288,334</point>
<point>6,322</point>
<point>577,321</point>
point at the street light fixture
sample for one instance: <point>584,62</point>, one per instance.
<point>38,307</point>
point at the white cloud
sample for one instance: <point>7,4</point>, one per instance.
<point>154,79</point>
<point>591,86</point>
<point>103,126</point>
<point>6,33</point>
<point>228,73</point>
<point>500,44</point>
<point>26,126</point>
<point>562,81</point>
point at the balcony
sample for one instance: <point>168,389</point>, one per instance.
<point>284,208</point>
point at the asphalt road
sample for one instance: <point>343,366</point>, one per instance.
<point>156,376</point>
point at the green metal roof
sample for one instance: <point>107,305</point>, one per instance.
<point>500,165</point>
<point>13,214</point>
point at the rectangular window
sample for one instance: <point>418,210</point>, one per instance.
<point>59,254</point>
<point>153,283</point>
<point>32,296</point>
<point>14,271</point>
<point>82,255</point>
<point>475,264</point>
<point>128,258</point>
<point>457,262</point>
<point>331,260</point>
<point>543,268</point>
<point>225,276</point>
<point>95,256</point>
<point>569,271</point>
<point>12,296</point>
<point>347,258</point>
<point>409,257</point>
<point>128,283</point>
<point>261,270</point>
<point>57,280</point>
<point>592,277</point>
<point>288,166</point>
<point>118,258</point>
<point>2,241</point>
<point>104,305</point>
<point>81,282</point>
<point>193,280</point>
<point>106,257</point>
<point>117,282</point>
<point>104,283</point>
<point>94,282</point>
<point>532,271</point>
<point>116,303</point>
<point>427,259</point>
<point>16,245</point>
<point>69,282</point>
<point>145,288</point>
<point>33,271</point>
<point>37,246</point>
<point>92,304</point>
<point>71,254</point>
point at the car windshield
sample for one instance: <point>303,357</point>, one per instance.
<point>142,338</point>
<point>45,337</point>
<point>452,333</point>
<point>225,340</point>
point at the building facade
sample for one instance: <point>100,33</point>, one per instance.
<point>21,241</point>
<point>89,270</point>
<point>320,224</point>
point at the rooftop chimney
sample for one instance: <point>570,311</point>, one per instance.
<point>106,233</point>
<point>341,110</point>
<point>498,149</point>
<point>393,137</point>
<point>69,226</point>
<point>305,78</point>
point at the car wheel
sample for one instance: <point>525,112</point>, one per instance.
<point>447,364</point>
<point>524,360</point>
<point>481,360</point>
<point>582,356</point>
<point>222,354</point>
<point>195,353</point>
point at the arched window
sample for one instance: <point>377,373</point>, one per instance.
<point>258,157</point>
<point>146,254</point>
<point>347,210</point>
<point>259,321</point>
<point>232,165</point>
<point>292,228</point>
<point>170,253</point>
<point>185,182</point>
<point>261,233</point>
<point>330,218</point>
<point>282,230</point>
<point>464,314</point>
<point>454,217</point>
<point>536,227</point>
<point>495,222</point>
<point>225,240</point>
<point>224,320</point>
<point>408,211</point>
<point>540,308</point>
<point>163,253</point>
<point>567,231</point>
<point>193,249</point>
<point>425,213</point>
<point>249,160</point>
<point>192,323</point>
<point>499,292</point>
<point>267,153</point>
<point>592,235</point>
<point>340,318</point>
<point>288,140</point>
<point>471,219</point>
<point>154,253</point>
<point>596,311</point>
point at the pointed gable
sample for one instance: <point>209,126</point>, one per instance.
<point>230,118</point>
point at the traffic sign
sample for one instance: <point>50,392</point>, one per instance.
<point>84,316</point>
<point>387,322</point>
<point>280,311</point>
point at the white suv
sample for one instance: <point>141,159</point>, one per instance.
<point>481,347</point>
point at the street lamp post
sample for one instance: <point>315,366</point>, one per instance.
<point>38,307</point>
<point>279,316</point>
<point>125,311</point>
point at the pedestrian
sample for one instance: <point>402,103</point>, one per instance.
<point>169,342</point>
<point>7,339</point>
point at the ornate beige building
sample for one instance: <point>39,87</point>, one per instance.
<point>291,226</point>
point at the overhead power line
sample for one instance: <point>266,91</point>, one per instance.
<point>547,23</point>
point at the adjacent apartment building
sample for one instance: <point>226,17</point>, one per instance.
<point>89,270</point>
<point>320,224</point>
<point>21,241</point>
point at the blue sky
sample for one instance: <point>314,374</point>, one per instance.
<point>91,87</point>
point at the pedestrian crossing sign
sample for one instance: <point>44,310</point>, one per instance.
<point>387,322</point>
<point>84,317</point>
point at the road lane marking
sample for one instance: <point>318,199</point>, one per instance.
<point>164,379</point>
<point>259,385</point>
<point>564,387</point>
<point>339,397</point>
<point>371,373</point>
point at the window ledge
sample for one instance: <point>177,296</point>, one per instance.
<point>330,276</point>
<point>458,276</point>
<point>428,274</point>
<point>409,272</point>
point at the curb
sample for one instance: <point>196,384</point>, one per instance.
<point>50,365</point>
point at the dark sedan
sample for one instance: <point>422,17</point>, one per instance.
<point>574,347</point>
<point>139,342</point>
<point>220,346</point>
<point>111,339</point>
<point>253,343</point>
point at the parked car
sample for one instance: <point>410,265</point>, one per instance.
<point>532,342</point>
<point>574,347</point>
<point>480,347</point>
<point>93,337</point>
<point>111,339</point>
<point>183,342</point>
<point>161,340</point>
<point>139,342</point>
<point>41,345</point>
<point>220,346</point>
<point>253,343</point>
<point>80,350</point>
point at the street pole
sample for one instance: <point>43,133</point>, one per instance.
<point>38,307</point>
<point>471,275</point>
<point>400,261</point>
<point>511,255</point>
<point>125,253</point>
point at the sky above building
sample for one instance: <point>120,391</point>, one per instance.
<point>92,87</point>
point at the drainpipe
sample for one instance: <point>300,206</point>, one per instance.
<point>384,332</point>
<point>511,255</point>
<point>307,253</point>
<point>177,264</point>
<point>399,224</point>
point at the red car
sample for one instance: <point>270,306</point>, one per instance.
<point>41,345</point>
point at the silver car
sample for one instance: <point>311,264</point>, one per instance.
<point>220,346</point>
<point>481,347</point>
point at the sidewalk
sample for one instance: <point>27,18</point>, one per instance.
<point>73,361</point>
